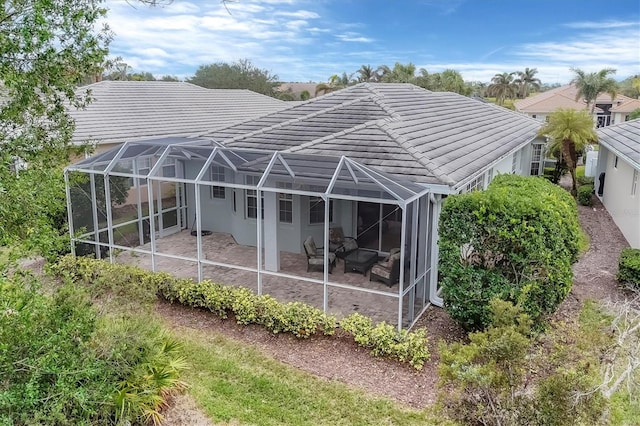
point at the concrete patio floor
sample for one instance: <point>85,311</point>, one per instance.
<point>221,247</point>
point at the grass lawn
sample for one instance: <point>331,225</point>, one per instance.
<point>235,383</point>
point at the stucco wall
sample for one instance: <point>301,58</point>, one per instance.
<point>623,207</point>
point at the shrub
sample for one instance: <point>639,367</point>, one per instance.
<point>515,241</point>
<point>487,381</point>
<point>385,340</point>
<point>585,193</point>
<point>62,364</point>
<point>629,267</point>
<point>585,180</point>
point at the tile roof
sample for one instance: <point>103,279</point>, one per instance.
<point>125,110</point>
<point>402,129</point>
<point>623,138</point>
<point>563,97</point>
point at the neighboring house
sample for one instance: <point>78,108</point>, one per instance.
<point>127,110</point>
<point>608,111</point>
<point>375,159</point>
<point>297,88</point>
<point>619,167</point>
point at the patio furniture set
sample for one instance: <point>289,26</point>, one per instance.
<point>355,259</point>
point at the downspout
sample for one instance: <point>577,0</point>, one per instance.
<point>434,298</point>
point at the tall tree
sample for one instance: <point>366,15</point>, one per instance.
<point>526,81</point>
<point>238,75</point>
<point>569,131</point>
<point>47,47</point>
<point>366,74</point>
<point>591,85</point>
<point>400,73</point>
<point>502,87</point>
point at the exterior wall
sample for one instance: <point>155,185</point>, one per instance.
<point>540,116</point>
<point>504,166</point>
<point>617,198</point>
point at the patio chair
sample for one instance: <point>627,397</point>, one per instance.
<point>315,256</point>
<point>339,244</point>
<point>388,270</point>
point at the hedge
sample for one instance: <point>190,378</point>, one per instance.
<point>515,241</point>
<point>629,267</point>
<point>299,319</point>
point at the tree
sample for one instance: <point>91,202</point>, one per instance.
<point>334,83</point>
<point>366,74</point>
<point>591,85</point>
<point>399,74</point>
<point>238,75</point>
<point>168,77</point>
<point>305,95</point>
<point>502,87</point>
<point>634,114</point>
<point>449,81</point>
<point>526,80</point>
<point>47,47</point>
<point>631,87</point>
<point>570,131</point>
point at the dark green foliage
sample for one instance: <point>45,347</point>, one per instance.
<point>486,382</point>
<point>238,75</point>
<point>515,241</point>
<point>585,194</point>
<point>585,180</point>
<point>299,319</point>
<point>629,267</point>
<point>60,363</point>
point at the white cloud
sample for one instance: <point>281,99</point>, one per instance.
<point>354,37</point>
<point>600,24</point>
<point>301,14</point>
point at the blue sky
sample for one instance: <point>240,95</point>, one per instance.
<point>310,40</point>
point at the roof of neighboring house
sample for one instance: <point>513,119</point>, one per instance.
<point>564,97</point>
<point>125,110</point>
<point>623,139</point>
<point>627,106</point>
<point>401,129</point>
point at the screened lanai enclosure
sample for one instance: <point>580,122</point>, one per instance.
<point>260,219</point>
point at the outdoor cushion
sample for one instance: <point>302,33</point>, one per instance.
<point>320,260</point>
<point>310,247</point>
<point>381,271</point>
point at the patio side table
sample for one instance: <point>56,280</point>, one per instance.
<point>360,260</point>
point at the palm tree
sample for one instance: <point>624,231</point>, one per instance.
<point>334,83</point>
<point>569,131</point>
<point>527,80</point>
<point>502,87</point>
<point>366,73</point>
<point>382,72</point>
<point>591,85</point>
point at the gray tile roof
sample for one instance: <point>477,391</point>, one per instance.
<point>429,137</point>
<point>124,110</point>
<point>624,139</point>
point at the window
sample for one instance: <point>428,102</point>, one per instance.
<point>489,177</point>
<point>316,210</point>
<point>251,196</point>
<point>536,160</point>
<point>216,174</point>
<point>475,185</point>
<point>285,204</point>
<point>533,116</point>
<point>634,182</point>
<point>515,163</point>
<point>615,162</point>
<point>169,167</point>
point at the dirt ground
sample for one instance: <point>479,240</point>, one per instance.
<point>338,358</point>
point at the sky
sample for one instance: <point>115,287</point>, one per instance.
<point>310,40</point>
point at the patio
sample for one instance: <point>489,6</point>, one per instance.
<point>222,248</point>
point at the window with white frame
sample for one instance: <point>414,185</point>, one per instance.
<point>216,174</point>
<point>515,163</point>
<point>285,204</point>
<point>316,210</point>
<point>169,167</point>
<point>536,159</point>
<point>251,197</point>
<point>634,182</point>
<point>476,185</point>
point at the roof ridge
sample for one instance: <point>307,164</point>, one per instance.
<point>292,120</point>
<point>419,156</point>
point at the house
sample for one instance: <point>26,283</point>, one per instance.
<point>618,176</point>
<point>373,159</point>
<point>607,111</point>
<point>126,110</point>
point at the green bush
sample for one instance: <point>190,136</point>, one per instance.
<point>385,340</point>
<point>629,267</point>
<point>515,241</point>
<point>585,180</point>
<point>585,193</point>
<point>62,364</point>
<point>297,318</point>
<point>487,381</point>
